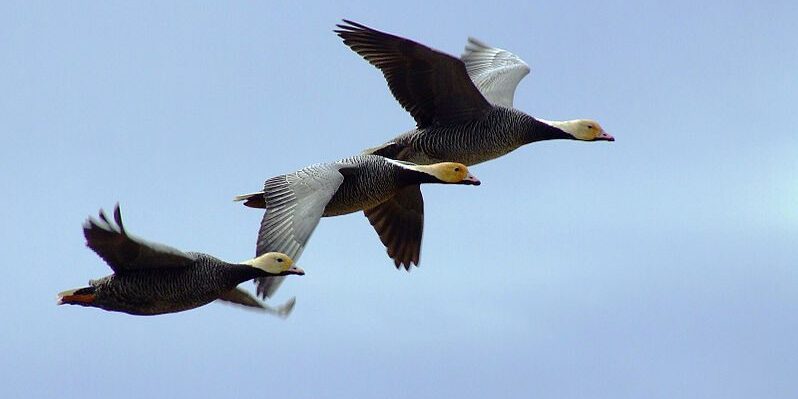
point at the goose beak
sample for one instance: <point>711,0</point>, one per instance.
<point>471,180</point>
<point>296,270</point>
<point>604,136</point>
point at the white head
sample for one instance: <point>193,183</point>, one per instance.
<point>449,172</point>
<point>275,263</point>
<point>582,129</point>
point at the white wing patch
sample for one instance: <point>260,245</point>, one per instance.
<point>495,72</point>
<point>294,204</point>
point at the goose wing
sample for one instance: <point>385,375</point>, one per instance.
<point>294,204</point>
<point>243,298</point>
<point>123,251</point>
<point>432,86</point>
<point>495,72</point>
<point>399,222</point>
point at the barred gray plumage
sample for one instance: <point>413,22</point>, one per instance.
<point>462,108</point>
<point>506,128</point>
<point>151,278</point>
<point>295,202</point>
<point>169,290</point>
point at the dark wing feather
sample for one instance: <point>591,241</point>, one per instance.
<point>399,222</point>
<point>434,87</point>
<point>123,251</point>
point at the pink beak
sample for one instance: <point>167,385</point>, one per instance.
<point>471,180</point>
<point>604,136</point>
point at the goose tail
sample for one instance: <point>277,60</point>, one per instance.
<point>388,150</point>
<point>78,296</point>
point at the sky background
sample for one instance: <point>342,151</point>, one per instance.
<point>661,265</point>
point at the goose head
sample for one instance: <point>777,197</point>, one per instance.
<point>582,129</point>
<point>276,264</point>
<point>449,173</point>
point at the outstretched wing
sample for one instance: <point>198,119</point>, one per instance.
<point>434,87</point>
<point>123,251</point>
<point>243,298</point>
<point>294,204</point>
<point>399,222</point>
<point>495,72</point>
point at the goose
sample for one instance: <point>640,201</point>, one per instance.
<point>152,279</point>
<point>295,202</point>
<point>463,108</point>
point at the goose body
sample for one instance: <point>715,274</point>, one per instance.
<point>467,143</point>
<point>463,108</point>
<point>152,279</point>
<point>170,290</point>
<point>295,202</point>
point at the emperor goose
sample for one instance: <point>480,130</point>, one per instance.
<point>463,108</point>
<point>152,279</point>
<point>295,202</point>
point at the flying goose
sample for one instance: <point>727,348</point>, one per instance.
<point>295,202</point>
<point>462,108</point>
<point>151,278</point>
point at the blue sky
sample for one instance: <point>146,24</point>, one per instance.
<point>660,265</point>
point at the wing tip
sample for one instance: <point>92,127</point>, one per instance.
<point>348,26</point>
<point>285,310</point>
<point>93,226</point>
<point>407,264</point>
<point>473,41</point>
<point>118,219</point>
<point>252,200</point>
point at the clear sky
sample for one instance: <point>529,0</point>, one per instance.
<point>661,265</point>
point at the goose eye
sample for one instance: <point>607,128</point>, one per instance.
<point>457,169</point>
<point>280,260</point>
<point>589,126</point>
